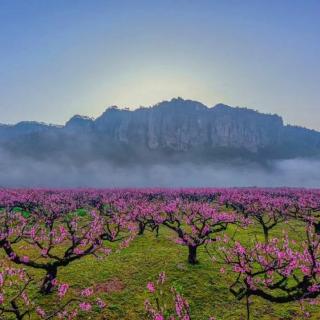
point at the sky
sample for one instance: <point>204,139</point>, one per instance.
<point>59,58</point>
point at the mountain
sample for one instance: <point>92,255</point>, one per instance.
<point>177,130</point>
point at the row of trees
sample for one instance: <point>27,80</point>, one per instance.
<point>57,227</point>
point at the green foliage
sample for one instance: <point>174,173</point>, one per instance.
<point>81,212</point>
<point>24,213</point>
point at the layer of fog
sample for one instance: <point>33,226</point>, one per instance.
<point>26,172</point>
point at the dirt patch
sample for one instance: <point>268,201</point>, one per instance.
<point>112,285</point>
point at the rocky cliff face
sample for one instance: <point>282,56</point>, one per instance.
<point>181,125</point>
<point>183,128</point>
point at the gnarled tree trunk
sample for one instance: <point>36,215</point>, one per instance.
<point>192,257</point>
<point>47,284</point>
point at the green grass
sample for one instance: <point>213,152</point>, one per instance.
<point>126,273</point>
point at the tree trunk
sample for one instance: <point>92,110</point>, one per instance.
<point>141,228</point>
<point>16,310</point>
<point>248,307</point>
<point>47,284</point>
<point>192,258</point>
<point>157,231</point>
<point>317,227</point>
<point>266,234</point>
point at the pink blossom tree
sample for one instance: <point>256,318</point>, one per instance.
<point>279,271</point>
<point>197,224</point>
<point>15,299</point>
<point>56,233</point>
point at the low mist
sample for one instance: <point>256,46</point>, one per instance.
<point>17,171</point>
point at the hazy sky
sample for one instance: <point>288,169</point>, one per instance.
<point>61,57</point>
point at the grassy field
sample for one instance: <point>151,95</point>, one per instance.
<point>121,280</point>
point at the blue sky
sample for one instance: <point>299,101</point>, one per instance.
<point>60,58</point>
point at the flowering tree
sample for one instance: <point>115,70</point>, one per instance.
<point>15,297</point>
<point>57,231</point>
<point>268,208</point>
<point>196,224</point>
<point>279,271</point>
<point>147,214</point>
<point>306,208</point>
<point>18,281</point>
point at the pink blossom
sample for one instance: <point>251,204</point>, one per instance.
<point>87,292</point>
<point>85,306</point>
<point>62,290</point>
<point>40,312</point>
<point>151,287</point>
<point>25,259</point>
<point>100,303</point>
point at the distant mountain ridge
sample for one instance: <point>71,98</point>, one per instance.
<point>176,130</point>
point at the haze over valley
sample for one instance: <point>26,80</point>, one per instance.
<point>173,143</point>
